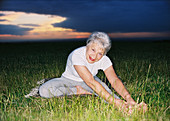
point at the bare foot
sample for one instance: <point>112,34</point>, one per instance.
<point>81,91</point>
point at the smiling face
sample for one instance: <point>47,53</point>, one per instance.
<point>94,53</point>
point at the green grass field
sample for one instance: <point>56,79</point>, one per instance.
<point>144,68</point>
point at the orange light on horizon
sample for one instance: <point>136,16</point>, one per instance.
<point>5,35</point>
<point>139,34</point>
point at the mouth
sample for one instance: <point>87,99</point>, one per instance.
<point>91,59</point>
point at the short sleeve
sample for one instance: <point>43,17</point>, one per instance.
<point>77,59</point>
<point>106,63</point>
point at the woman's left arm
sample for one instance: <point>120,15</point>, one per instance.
<point>118,85</point>
<point>120,88</point>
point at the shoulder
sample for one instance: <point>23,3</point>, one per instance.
<point>77,57</point>
<point>105,62</point>
<point>79,50</point>
<point>105,58</point>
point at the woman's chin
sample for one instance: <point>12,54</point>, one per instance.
<point>91,62</point>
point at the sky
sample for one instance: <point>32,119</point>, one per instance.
<point>73,19</point>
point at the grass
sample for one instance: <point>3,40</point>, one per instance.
<point>142,66</point>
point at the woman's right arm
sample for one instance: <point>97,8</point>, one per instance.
<point>88,78</point>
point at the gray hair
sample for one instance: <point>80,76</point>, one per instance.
<point>100,38</point>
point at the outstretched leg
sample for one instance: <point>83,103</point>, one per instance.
<point>60,87</point>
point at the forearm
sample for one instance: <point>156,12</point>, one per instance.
<point>101,91</point>
<point>120,89</point>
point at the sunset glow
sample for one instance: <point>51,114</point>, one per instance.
<point>139,34</point>
<point>40,26</point>
<point>21,18</point>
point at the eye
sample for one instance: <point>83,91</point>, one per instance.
<point>93,50</point>
<point>100,54</point>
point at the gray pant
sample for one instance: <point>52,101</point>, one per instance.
<point>62,86</point>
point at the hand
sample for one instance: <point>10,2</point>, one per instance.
<point>123,106</point>
<point>129,107</point>
<point>132,104</point>
<point>139,107</point>
<point>143,107</point>
<point>130,100</point>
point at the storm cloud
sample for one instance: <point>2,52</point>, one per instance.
<point>119,18</point>
<point>101,15</point>
<point>13,30</point>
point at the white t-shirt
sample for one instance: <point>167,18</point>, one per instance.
<point>78,57</point>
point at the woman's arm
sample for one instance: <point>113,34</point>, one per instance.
<point>100,90</point>
<point>88,78</point>
<point>120,88</point>
<point>118,85</point>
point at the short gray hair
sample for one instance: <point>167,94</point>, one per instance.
<point>100,38</point>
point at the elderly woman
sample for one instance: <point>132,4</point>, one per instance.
<point>80,75</point>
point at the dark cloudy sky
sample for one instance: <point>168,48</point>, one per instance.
<point>65,19</point>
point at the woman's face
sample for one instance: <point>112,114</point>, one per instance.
<point>94,53</point>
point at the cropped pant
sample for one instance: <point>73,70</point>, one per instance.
<point>62,86</point>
